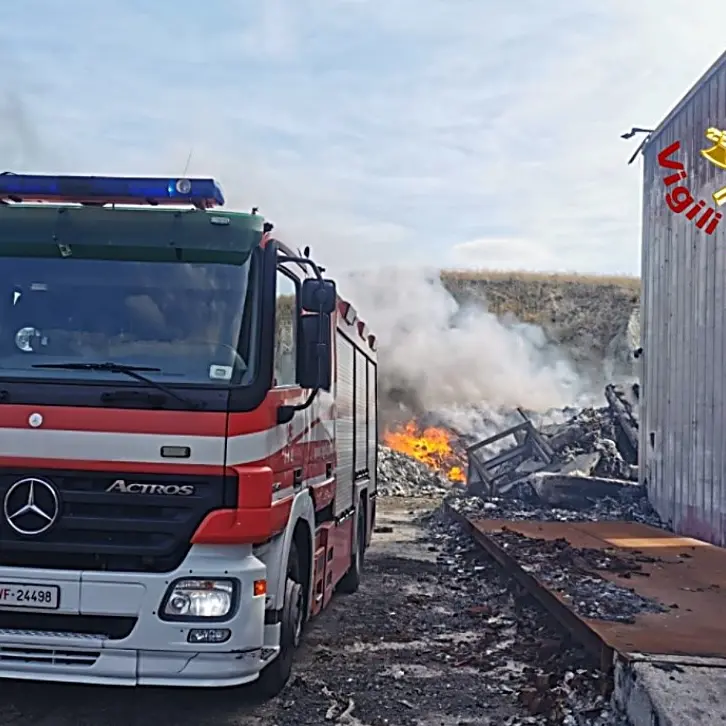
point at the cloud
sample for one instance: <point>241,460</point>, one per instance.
<point>401,132</point>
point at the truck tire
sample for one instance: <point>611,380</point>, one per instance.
<point>351,580</point>
<point>275,675</point>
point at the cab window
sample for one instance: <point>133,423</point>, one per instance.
<point>285,354</point>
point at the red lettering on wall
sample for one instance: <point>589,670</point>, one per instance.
<point>679,198</point>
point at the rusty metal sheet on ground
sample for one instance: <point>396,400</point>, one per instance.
<point>685,575</point>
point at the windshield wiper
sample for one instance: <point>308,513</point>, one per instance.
<point>130,371</point>
<point>155,400</point>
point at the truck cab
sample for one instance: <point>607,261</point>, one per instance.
<point>170,437</point>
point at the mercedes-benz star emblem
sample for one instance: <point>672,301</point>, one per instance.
<point>31,506</point>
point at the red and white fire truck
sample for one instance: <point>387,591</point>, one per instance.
<point>187,436</point>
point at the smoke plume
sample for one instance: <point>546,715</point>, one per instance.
<point>20,144</point>
<point>462,364</point>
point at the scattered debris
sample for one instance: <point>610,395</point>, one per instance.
<point>584,469</point>
<point>625,504</point>
<point>571,571</point>
<point>520,652</point>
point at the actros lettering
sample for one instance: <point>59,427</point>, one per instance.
<point>124,487</point>
<point>679,199</point>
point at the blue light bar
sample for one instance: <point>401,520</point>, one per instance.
<point>202,193</point>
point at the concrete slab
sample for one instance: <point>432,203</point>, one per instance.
<point>577,490</point>
<point>665,693</point>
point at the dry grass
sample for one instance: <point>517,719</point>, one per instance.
<point>584,312</point>
<point>556,278</point>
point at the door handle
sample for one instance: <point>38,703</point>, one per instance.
<point>297,478</point>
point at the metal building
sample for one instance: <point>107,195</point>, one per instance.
<point>683,399</point>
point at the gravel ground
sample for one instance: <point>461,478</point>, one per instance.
<point>434,637</point>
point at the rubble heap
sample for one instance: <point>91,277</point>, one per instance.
<point>400,475</point>
<point>603,441</point>
<point>591,456</point>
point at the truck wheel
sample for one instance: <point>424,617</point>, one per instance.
<point>275,675</point>
<point>351,580</point>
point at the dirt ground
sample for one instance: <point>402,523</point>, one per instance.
<point>433,638</point>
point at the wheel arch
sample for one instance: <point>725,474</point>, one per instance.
<point>362,500</point>
<point>371,515</point>
<point>300,527</point>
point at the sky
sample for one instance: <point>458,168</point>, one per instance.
<point>445,133</point>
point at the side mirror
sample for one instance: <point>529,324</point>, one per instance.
<point>318,296</point>
<point>315,351</point>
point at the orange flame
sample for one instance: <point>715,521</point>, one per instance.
<point>432,446</point>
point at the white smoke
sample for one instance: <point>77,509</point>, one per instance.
<point>464,364</point>
<point>21,145</point>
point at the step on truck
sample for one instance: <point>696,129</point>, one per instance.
<point>187,436</point>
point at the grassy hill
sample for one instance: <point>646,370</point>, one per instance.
<point>593,316</point>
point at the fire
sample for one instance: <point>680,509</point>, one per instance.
<point>432,446</point>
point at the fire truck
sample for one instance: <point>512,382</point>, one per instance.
<point>187,436</point>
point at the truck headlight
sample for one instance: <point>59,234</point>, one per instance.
<point>199,599</point>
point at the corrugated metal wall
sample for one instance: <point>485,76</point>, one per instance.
<point>683,414</point>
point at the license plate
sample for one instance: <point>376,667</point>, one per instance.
<point>45,597</point>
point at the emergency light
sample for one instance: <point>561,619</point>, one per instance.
<point>201,193</point>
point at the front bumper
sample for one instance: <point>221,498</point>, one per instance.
<point>155,652</point>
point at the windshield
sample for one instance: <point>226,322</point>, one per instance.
<point>189,320</point>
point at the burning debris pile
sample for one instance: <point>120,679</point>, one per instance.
<point>419,461</point>
<point>433,446</point>
<point>583,468</point>
<point>401,475</point>
<point>587,462</point>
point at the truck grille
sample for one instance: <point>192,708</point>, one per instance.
<point>110,627</point>
<point>47,656</point>
<point>123,532</point>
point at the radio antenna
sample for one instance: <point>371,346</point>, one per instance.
<point>189,161</point>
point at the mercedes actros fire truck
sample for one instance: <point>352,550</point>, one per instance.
<point>187,436</point>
